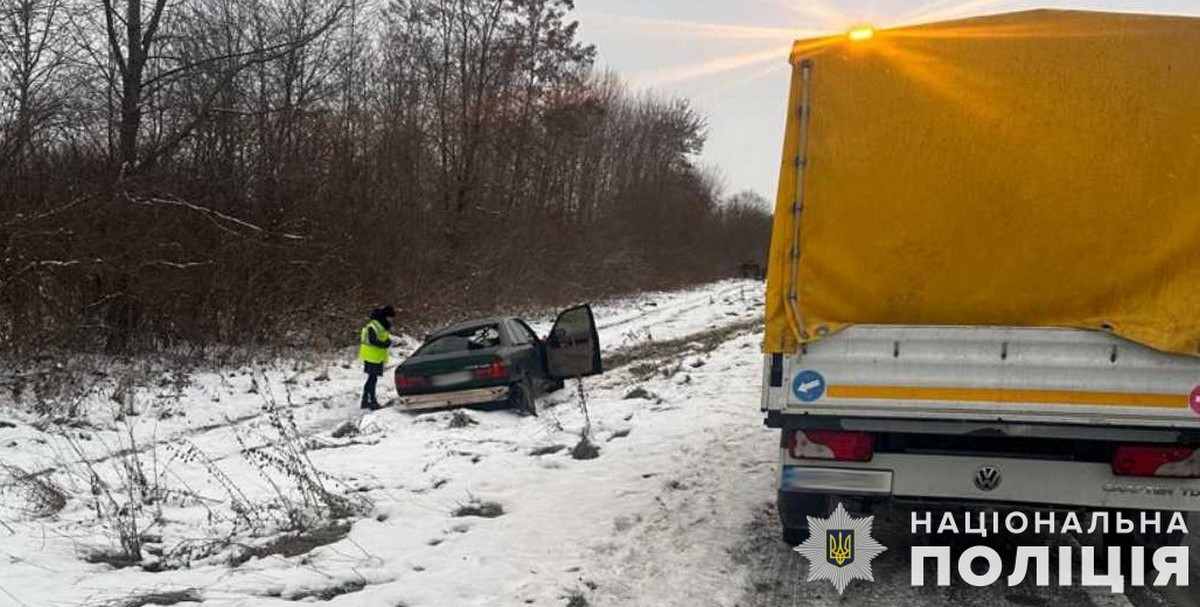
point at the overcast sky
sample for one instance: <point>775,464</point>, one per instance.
<point>730,57</point>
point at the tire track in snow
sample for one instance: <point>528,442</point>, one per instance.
<point>713,464</point>
<point>702,299</point>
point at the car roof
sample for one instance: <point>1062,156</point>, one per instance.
<point>470,324</point>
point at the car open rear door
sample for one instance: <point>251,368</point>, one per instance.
<point>573,346</point>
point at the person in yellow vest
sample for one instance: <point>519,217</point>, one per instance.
<point>374,339</point>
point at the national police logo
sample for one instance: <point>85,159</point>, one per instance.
<point>840,549</point>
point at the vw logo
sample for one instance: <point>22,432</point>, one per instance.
<point>987,478</point>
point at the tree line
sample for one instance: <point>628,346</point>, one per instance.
<point>248,172</point>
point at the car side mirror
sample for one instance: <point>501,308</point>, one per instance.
<point>573,345</point>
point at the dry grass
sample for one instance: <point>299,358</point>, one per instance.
<point>293,544</point>
<point>163,599</point>
<point>547,450</point>
<point>479,509</point>
<point>330,593</point>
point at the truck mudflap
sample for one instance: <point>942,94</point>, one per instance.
<point>1021,375</point>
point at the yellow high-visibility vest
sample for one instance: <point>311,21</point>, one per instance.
<point>372,353</point>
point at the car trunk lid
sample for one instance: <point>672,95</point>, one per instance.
<point>451,371</point>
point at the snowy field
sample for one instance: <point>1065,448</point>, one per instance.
<point>439,510</point>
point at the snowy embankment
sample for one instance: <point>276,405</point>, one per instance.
<point>438,509</point>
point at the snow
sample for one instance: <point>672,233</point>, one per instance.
<point>676,510</point>
<point>635,524</point>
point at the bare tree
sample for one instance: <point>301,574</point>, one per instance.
<point>197,172</point>
<point>133,31</point>
<point>31,56</point>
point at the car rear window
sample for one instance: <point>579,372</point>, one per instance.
<point>473,338</point>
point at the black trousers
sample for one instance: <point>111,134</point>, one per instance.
<point>373,371</point>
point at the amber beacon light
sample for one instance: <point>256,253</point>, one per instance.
<point>860,34</point>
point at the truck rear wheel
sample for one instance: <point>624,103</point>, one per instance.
<point>794,537</point>
<point>794,510</point>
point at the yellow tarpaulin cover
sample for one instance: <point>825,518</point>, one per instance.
<point>1031,169</point>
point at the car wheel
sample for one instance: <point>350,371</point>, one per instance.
<point>520,398</point>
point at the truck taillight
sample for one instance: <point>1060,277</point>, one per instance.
<point>831,445</point>
<point>411,382</point>
<point>1152,460</point>
<point>497,370</point>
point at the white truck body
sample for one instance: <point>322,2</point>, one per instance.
<point>1017,400</point>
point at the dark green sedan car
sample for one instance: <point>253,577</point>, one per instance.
<point>498,361</point>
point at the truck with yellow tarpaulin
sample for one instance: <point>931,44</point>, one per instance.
<point>984,278</point>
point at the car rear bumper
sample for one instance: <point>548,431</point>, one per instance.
<point>460,398</point>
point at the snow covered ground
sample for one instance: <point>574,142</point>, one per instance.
<point>488,509</point>
<point>568,526</point>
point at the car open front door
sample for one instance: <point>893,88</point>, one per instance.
<point>573,346</point>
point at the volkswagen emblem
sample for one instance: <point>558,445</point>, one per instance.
<point>987,478</point>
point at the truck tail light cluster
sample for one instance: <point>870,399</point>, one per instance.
<point>1156,460</point>
<point>830,445</point>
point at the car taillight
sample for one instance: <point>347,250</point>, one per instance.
<point>832,445</point>
<point>497,370</point>
<point>1150,460</point>
<point>411,382</point>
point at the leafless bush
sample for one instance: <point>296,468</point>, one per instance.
<point>29,495</point>
<point>306,503</point>
<point>127,500</point>
<point>58,385</point>
<point>130,485</point>
<point>307,496</point>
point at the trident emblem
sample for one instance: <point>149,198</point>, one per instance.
<point>839,547</point>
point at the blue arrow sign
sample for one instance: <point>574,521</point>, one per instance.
<point>808,386</point>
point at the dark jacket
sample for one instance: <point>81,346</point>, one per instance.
<point>372,337</point>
